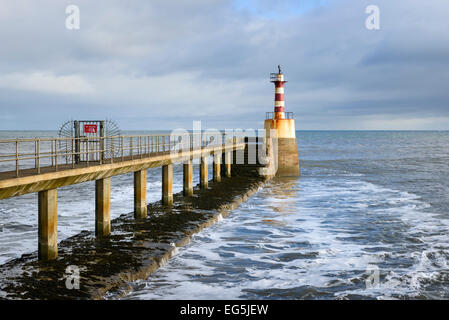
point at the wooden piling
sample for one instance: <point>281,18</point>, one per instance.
<point>140,194</point>
<point>204,179</point>
<point>103,207</point>
<point>188,178</point>
<point>228,160</point>
<point>217,168</point>
<point>47,225</point>
<point>167,184</point>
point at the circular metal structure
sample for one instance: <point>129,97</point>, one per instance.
<point>81,135</point>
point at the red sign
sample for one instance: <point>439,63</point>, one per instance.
<point>90,128</point>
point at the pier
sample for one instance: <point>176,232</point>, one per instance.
<point>89,154</point>
<point>109,266</point>
<point>134,245</point>
<point>38,165</point>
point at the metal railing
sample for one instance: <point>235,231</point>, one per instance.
<point>287,115</point>
<point>55,154</point>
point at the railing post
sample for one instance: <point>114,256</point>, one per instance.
<point>17,157</point>
<point>140,147</point>
<point>87,152</point>
<point>73,154</point>
<point>56,156</point>
<point>77,142</point>
<point>51,153</point>
<point>123,148</point>
<point>102,144</point>
<point>112,149</point>
<point>38,156</point>
<point>148,146</point>
<point>35,154</point>
<point>101,147</point>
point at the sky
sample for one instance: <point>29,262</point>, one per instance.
<point>160,65</point>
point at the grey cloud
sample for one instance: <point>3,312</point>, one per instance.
<point>154,64</point>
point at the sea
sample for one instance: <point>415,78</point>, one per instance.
<point>367,219</point>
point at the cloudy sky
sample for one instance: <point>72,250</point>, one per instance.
<point>162,64</point>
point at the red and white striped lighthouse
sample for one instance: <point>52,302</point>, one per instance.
<point>282,129</point>
<point>279,103</point>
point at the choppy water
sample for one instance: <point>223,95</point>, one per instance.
<point>367,204</point>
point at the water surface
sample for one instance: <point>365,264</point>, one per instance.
<point>367,203</point>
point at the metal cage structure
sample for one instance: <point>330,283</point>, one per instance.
<point>92,140</point>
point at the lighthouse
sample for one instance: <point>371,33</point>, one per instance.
<point>279,103</point>
<point>280,125</point>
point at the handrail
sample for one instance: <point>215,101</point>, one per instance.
<point>111,137</point>
<point>56,152</point>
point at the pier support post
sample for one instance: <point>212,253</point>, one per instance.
<point>188,178</point>
<point>167,184</point>
<point>217,168</point>
<point>103,207</point>
<point>47,225</point>
<point>204,179</point>
<point>140,194</point>
<point>228,164</point>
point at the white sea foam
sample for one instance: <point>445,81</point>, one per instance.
<point>321,243</point>
<point>317,232</point>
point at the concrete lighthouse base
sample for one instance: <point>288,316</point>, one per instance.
<point>287,149</point>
